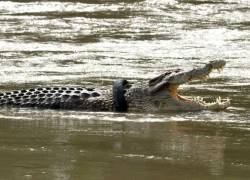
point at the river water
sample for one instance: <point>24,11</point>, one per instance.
<point>92,43</point>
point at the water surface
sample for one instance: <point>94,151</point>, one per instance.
<point>94,42</point>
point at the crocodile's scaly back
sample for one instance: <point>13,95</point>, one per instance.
<point>57,97</point>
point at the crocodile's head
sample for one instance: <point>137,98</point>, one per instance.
<point>161,93</point>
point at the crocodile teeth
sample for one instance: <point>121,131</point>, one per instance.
<point>199,99</point>
<point>218,100</point>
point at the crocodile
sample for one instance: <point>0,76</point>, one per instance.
<point>158,94</point>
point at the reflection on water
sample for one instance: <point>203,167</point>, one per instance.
<point>95,42</point>
<point>50,144</point>
<point>71,144</point>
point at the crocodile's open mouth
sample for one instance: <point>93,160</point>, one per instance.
<point>206,102</point>
<point>172,79</point>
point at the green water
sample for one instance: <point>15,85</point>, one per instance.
<point>92,43</point>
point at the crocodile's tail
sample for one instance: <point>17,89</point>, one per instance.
<point>56,97</point>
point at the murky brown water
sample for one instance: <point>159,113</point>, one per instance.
<point>93,42</point>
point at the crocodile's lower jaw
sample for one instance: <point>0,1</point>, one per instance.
<point>201,104</point>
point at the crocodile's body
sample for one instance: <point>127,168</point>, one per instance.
<point>159,94</point>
